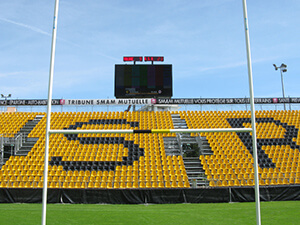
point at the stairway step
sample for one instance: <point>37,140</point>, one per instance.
<point>26,144</point>
<point>22,153</point>
<point>193,168</point>
<point>190,158</point>
<point>192,162</point>
<point>197,176</point>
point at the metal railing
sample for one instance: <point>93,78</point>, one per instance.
<point>178,136</point>
<point>19,140</point>
<point>15,141</point>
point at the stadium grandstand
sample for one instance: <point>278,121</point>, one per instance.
<point>146,161</point>
<point>143,161</point>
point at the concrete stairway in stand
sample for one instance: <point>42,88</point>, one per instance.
<point>28,143</point>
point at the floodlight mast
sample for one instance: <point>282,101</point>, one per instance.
<point>283,69</point>
<point>49,113</point>
<point>5,98</point>
<point>254,141</point>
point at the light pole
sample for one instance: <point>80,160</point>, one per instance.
<point>283,69</point>
<point>5,98</point>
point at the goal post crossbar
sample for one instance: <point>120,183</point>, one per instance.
<point>153,131</point>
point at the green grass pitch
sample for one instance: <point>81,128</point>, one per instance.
<point>221,213</point>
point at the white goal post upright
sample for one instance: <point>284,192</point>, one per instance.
<point>254,140</point>
<point>252,129</point>
<point>49,104</point>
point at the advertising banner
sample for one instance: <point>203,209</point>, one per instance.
<point>25,102</point>
<point>220,101</point>
<point>131,101</point>
<point>148,101</point>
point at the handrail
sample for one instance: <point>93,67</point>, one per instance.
<point>178,136</point>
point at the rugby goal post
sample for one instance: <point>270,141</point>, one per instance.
<point>252,129</point>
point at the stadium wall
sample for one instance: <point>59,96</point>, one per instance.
<point>150,196</point>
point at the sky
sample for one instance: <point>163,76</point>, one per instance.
<point>203,40</point>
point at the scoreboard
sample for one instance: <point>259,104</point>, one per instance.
<point>143,81</point>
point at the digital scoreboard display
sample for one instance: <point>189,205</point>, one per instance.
<point>143,81</point>
<point>154,58</point>
<point>132,58</point>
